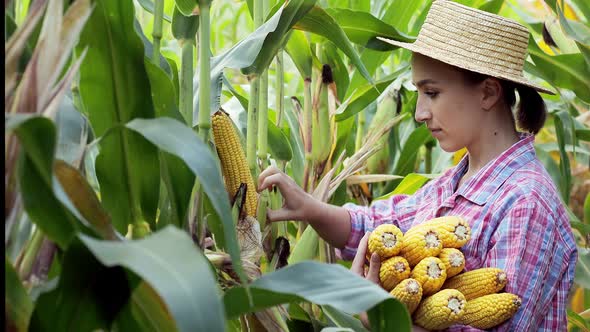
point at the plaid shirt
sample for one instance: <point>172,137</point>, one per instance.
<point>518,223</point>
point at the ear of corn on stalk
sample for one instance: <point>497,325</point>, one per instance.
<point>386,240</point>
<point>490,310</point>
<point>453,259</point>
<point>431,274</point>
<point>233,160</point>
<point>393,270</point>
<point>408,292</point>
<point>420,243</point>
<point>454,231</point>
<point>440,310</point>
<point>478,282</point>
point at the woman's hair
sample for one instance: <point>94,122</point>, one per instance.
<point>531,112</point>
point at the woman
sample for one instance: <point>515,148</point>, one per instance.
<point>467,66</point>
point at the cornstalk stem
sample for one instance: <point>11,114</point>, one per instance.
<point>204,71</point>
<point>360,130</point>
<point>30,254</point>
<point>186,82</point>
<point>157,31</point>
<point>263,117</point>
<point>280,93</point>
<point>252,127</point>
<point>428,159</point>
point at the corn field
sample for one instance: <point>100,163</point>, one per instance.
<point>116,212</point>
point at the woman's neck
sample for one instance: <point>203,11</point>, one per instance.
<point>490,143</point>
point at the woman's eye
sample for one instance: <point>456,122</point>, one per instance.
<point>431,94</point>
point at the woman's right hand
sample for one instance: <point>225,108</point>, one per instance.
<point>297,203</point>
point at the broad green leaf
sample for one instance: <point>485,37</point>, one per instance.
<point>583,134</point>
<point>366,33</point>
<point>186,7</point>
<point>585,49</point>
<point>564,129</point>
<point>184,27</point>
<point>170,262</point>
<point>145,311</point>
<point>300,52</point>
<point>567,71</point>
<point>364,96</point>
<point>550,165</point>
<point>88,295</point>
<point>372,60</point>
<point>409,185</point>
<point>177,177</point>
<point>175,138</point>
<point>115,89</point>
<point>578,31</point>
<point>342,319</point>
<point>38,138</point>
<point>321,23</point>
<point>584,7</point>
<point>148,5</point>
<point>323,284</point>
<point>492,6</point>
<point>390,315</point>
<point>298,160</point>
<point>18,304</point>
<point>582,274</point>
<point>577,320</point>
<point>278,143</point>
<point>148,50</point>
<point>407,158</point>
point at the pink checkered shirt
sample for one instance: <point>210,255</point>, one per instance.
<point>518,224</point>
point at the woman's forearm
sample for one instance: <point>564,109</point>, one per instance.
<point>331,222</point>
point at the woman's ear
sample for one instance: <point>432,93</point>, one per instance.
<point>491,93</point>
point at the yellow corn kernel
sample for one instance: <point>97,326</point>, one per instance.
<point>490,310</point>
<point>393,271</point>
<point>421,243</point>
<point>441,310</point>
<point>385,240</point>
<point>454,261</point>
<point>431,274</point>
<point>233,160</point>
<point>408,292</point>
<point>454,231</point>
<point>478,282</point>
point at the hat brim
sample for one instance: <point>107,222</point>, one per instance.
<point>443,57</point>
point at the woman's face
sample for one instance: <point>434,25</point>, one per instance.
<point>449,106</point>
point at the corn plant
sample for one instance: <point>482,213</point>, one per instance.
<point>117,215</point>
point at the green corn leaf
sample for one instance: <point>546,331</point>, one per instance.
<point>278,143</point>
<point>186,7</point>
<point>323,284</point>
<point>318,21</point>
<point>127,166</point>
<point>366,33</point>
<point>18,304</point>
<point>409,185</point>
<point>169,261</point>
<point>300,52</point>
<point>184,27</point>
<point>564,130</point>
<point>306,248</point>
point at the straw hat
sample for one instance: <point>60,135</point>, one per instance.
<point>474,40</point>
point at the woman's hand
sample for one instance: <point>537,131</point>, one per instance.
<point>297,204</point>
<point>358,263</point>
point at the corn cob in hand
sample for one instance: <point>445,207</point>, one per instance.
<point>385,240</point>
<point>490,310</point>
<point>478,282</point>
<point>431,274</point>
<point>393,270</point>
<point>454,261</point>
<point>408,292</point>
<point>440,310</point>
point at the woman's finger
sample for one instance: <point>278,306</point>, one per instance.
<point>374,267</point>
<point>358,263</point>
<point>278,215</point>
<point>270,170</point>
<point>274,179</point>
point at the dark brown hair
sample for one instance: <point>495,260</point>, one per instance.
<point>531,112</point>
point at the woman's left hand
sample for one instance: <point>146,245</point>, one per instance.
<point>358,264</point>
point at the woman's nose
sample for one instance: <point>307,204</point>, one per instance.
<point>422,112</point>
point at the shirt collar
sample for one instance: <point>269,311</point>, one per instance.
<point>484,184</point>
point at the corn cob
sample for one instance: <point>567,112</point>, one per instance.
<point>440,310</point>
<point>421,243</point>
<point>454,231</point>
<point>233,160</point>
<point>431,274</point>
<point>490,310</point>
<point>408,292</point>
<point>385,240</point>
<point>393,271</point>
<point>454,261</point>
<point>478,282</point>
